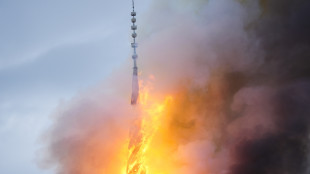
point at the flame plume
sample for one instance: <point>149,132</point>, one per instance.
<point>143,129</point>
<point>136,145</point>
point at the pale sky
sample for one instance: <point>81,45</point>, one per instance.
<point>50,51</point>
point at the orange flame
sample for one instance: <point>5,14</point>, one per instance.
<point>152,110</point>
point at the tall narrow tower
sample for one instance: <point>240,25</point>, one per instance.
<point>135,163</point>
<point>134,45</point>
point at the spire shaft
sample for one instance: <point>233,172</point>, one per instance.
<point>134,45</point>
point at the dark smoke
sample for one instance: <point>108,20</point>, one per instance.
<point>285,150</point>
<point>283,30</point>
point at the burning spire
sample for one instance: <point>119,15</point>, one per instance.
<point>137,142</point>
<point>134,45</point>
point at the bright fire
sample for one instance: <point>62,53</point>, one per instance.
<point>145,154</point>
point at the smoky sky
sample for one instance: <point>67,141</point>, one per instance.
<point>239,74</point>
<point>283,32</point>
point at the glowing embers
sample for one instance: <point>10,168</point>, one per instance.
<point>147,122</point>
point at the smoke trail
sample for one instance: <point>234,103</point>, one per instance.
<point>239,74</point>
<point>89,135</point>
<point>283,31</point>
<point>251,62</point>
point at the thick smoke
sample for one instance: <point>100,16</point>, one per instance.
<point>283,32</point>
<point>239,75</point>
<point>89,135</point>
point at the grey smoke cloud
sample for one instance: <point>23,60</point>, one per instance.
<point>239,73</point>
